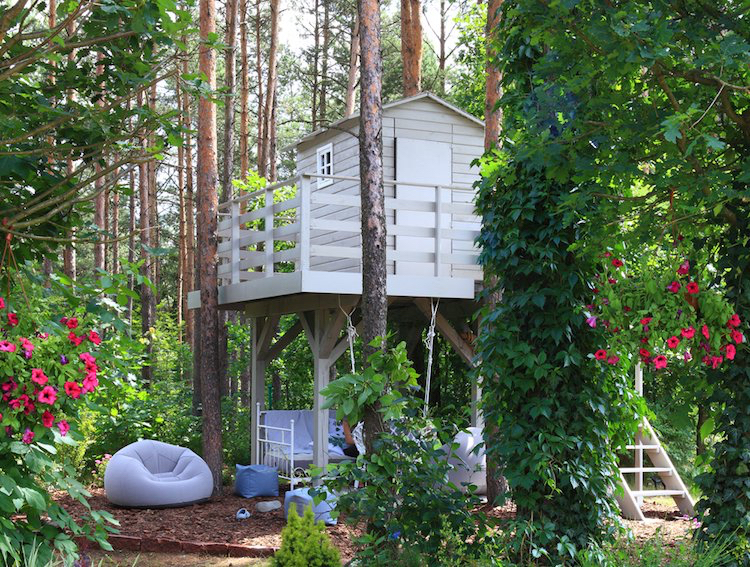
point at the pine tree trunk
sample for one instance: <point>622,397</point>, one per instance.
<point>147,296</point>
<point>411,46</point>
<point>442,57</point>
<point>190,314</point>
<point>207,250</point>
<point>244,93</point>
<point>316,66</point>
<point>153,209</point>
<point>115,226</point>
<point>230,40</point>
<point>131,240</point>
<point>69,252</point>
<point>261,106</point>
<point>492,114</point>
<point>99,201</point>
<point>181,233</point>
<point>374,299</point>
<point>269,112</point>
<point>496,483</point>
<point>323,110</point>
<point>351,83</point>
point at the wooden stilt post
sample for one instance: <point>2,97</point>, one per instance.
<point>322,328</point>
<point>262,332</point>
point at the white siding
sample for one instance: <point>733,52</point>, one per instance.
<point>422,119</point>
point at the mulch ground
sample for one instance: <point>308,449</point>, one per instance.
<point>215,522</point>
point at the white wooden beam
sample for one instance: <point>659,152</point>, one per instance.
<point>464,349</point>
<point>276,348</point>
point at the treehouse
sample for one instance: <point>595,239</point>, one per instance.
<point>294,247</point>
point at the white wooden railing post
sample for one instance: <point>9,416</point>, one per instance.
<point>438,228</point>
<point>304,224</point>
<point>235,240</point>
<point>268,231</point>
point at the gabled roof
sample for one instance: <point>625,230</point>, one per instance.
<point>339,124</point>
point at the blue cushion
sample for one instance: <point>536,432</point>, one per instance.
<point>256,480</point>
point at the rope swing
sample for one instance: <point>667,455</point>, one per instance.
<point>429,343</point>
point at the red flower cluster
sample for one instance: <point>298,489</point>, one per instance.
<point>33,396</point>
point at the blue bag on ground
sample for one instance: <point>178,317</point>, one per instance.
<point>256,480</point>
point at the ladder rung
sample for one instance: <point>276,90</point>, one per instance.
<point>651,493</point>
<point>631,470</point>
<point>644,447</point>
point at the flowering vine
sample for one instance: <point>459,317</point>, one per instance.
<point>661,318</point>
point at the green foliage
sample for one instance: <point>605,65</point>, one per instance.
<point>56,367</point>
<point>305,543</point>
<point>404,497</point>
<point>725,506</point>
<point>557,452</point>
<point>56,109</point>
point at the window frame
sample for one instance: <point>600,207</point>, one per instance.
<point>319,168</point>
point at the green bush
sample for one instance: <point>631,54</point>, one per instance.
<point>305,543</point>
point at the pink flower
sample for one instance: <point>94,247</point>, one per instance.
<point>688,333</point>
<point>737,336</point>
<point>660,361</point>
<point>9,386</point>
<point>7,346</point>
<point>607,254</point>
<point>94,337</point>
<point>71,323</point>
<point>87,358</point>
<point>705,332</point>
<point>613,360</point>
<point>613,281</point>
<point>48,395</point>
<point>591,322</point>
<point>716,361</point>
<point>48,419</point>
<point>692,288</point>
<point>74,339</point>
<point>26,345</point>
<point>684,268</point>
<point>12,319</point>
<point>687,356</point>
<point>731,351</point>
<point>90,382</point>
<point>28,436</point>
<point>734,321</point>
<point>601,354</point>
<point>674,287</point>
<point>617,263</point>
<point>673,341</point>
<point>72,389</point>
<point>38,376</point>
<point>595,290</point>
<point>64,427</point>
<point>645,321</point>
<point>644,352</point>
<point>2,303</point>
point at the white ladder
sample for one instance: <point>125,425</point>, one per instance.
<point>647,444</point>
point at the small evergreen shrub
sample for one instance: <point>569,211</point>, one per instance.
<point>305,543</point>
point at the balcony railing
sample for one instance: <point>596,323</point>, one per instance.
<point>277,229</point>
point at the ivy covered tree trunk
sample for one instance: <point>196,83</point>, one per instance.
<point>374,298</point>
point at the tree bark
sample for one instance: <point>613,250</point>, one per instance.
<point>99,200</point>
<point>69,252</point>
<point>374,299</point>
<point>207,248</point>
<point>230,40</point>
<point>316,66</point>
<point>411,46</point>
<point>269,113</point>
<point>190,314</point>
<point>244,94</point>
<point>351,83</point>
<point>153,209</point>
<point>492,114</point>
<point>131,240</point>
<point>115,226</point>
<point>442,40</point>
<point>181,233</point>
<point>323,105</point>
<point>261,158</point>
<point>147,295</point>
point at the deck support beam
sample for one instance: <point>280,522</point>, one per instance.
<point>263,330</point>
<point>322,328</point>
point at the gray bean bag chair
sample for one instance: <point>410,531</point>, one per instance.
<point>151,474</point>
<point>468,464</point>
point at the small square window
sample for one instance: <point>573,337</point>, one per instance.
<point>324,164</point>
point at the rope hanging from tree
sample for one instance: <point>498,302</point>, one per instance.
<point>429,342</point>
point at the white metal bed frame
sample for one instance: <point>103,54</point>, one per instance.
<point>279,454</point>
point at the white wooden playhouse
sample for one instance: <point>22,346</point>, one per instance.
<point>294,247</point>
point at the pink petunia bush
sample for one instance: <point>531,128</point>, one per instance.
<point>661,317</point>
<point>44,378</point>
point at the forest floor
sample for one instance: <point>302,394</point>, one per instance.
<point>215,521</point>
